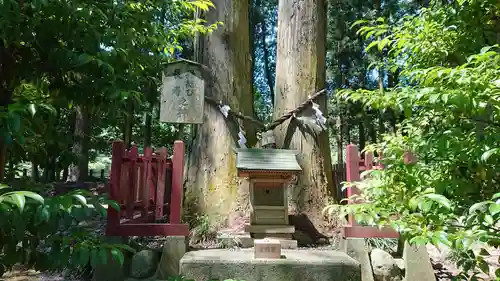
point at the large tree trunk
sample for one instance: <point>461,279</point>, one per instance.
<point>212,185</point>
<point>79,171</point>
<point>300,71</point>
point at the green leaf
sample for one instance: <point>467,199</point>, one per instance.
<point>32,109</point>
<point>125,247</point>
<point>94,257</point>
<point>32,195</point>
<point>484,252</point>
<point>80,199</point>
<point>489,219</point>
<point>358,22</point>
<point>483,265</point>
<point>418,240</point>
<point>371,45</point>
<point>494,208</point>
<point>43,214</point>
<point>117,255</point>
<point>413,203</point>
<point>83,256</point>
<point>486,155</point>
<point>113,204</point>
<point>485,49</point>
<point>18,200</point>
<point>440,199</point>
<point>481,206</point>
<point>103,256</point>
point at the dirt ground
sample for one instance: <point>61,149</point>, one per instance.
<point>21,274</point>
<point>445,269</point>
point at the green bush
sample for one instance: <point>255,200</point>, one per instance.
<point>47,233</point>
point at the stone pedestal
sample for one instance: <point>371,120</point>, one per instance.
<point>267,249</point>
<point>296,265</point>
<point>173,250</point>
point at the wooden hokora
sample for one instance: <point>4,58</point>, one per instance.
<point>182,93</point>
<point>269,171</point>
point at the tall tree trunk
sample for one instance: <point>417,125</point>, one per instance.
<point>339,26</point>
<point>300,71</point>
<point>253,28</point>
<point>212,186</point>
<point>79,171</point>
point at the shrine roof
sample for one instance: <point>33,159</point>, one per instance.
<point>273,160</point>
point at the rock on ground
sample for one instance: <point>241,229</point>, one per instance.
<point>384,266</point>
<point>144,264</point>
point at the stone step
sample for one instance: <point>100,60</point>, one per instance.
<point>296,265</point>
<point>243,240</point>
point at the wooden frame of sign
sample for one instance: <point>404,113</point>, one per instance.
<point>182,93</point>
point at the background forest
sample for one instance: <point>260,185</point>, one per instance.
<point>401,75</point>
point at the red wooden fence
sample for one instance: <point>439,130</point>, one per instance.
<point>354,166</point>
<point>138,183</point>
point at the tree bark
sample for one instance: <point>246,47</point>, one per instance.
<point>79,171</point>
<point>212,185</point>
<point>300,71</point>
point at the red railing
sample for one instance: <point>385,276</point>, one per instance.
<point>139,183</point>
<point>354,166</point>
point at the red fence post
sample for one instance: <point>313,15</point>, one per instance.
<point>147,180</point>
<point>352,174</point>
<point>177,182</point>
<point>132,181</point>
<point>118,149</point>
<point>160,186</point>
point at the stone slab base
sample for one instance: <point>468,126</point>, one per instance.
<point>417,263</point>
<point>244,240</point>
<point>269,229</point>
<point>356,248</point>
<point>297,265</point>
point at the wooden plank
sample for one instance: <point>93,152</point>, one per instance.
<point>177,182</point>
<point>147,178</point>
<point>130,185</point>
<point>182,94</point>
<point>168,188</point>
<point>160,186</point>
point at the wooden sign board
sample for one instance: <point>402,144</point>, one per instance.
<point>182,93</point>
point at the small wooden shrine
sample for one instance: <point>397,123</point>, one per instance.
<point>269,171</point>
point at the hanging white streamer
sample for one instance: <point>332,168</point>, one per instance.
<point>242,141</point>
<point>225,110</point>
<point>320,119</point>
